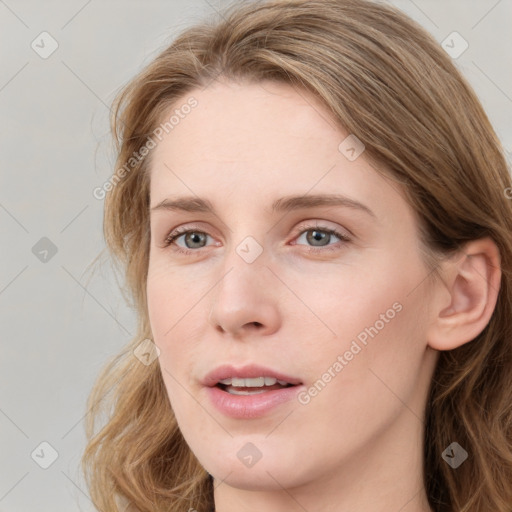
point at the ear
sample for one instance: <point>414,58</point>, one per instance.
<point>465,302</point>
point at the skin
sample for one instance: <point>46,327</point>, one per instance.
<point>241,148</point>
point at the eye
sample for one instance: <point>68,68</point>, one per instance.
<point>320,236</point>
<point>193,238</point>
<point>316,235</point>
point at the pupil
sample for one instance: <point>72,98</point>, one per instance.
<point>195,237</point>
<point>317,236</point>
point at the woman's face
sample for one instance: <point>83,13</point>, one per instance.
<point>264,282</point>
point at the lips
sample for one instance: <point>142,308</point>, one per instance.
<point>249,392</point>
<point>224,372</point>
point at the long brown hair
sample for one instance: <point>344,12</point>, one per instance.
<point>383,78</point>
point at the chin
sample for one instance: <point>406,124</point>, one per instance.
<point>253,479</point>
<point>270,472</point>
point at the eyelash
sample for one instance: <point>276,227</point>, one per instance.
<point>171,237</point>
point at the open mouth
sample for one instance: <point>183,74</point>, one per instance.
<point>251,386</point>
<point>249,392</point>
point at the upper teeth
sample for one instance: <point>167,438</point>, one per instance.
<point>252,383</point>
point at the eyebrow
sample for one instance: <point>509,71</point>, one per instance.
<point>283,204</point>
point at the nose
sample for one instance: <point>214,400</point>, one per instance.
<point>246,298</point>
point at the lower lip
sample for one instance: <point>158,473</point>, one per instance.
<point>250,406</point>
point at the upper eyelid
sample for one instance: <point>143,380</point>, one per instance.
<point>304,225</point>
<point>176,233</point>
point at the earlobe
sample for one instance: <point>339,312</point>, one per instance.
<point>472,280</point>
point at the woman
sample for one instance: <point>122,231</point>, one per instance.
<point>310,207</point>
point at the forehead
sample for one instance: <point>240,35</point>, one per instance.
<point>236,121</point>
<point>260,140</point>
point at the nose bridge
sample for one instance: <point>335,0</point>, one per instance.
<point>243,295</point>
<point>245,249</point>
<point>243,270</point>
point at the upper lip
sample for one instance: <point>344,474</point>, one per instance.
<point>226,371</point>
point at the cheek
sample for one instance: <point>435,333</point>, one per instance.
<point>341,303</point>
<point>360,380</point>
<point>379,351</point>
<point>373,316</point>
<point>173,325</point>
<point>171,294</point>
<point>170,315</point>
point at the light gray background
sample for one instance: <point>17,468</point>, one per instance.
<point>60,322</point>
